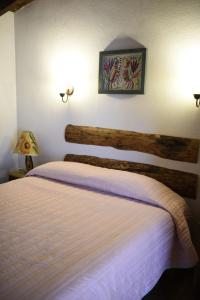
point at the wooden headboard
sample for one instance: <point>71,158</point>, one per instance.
<point>176,148</point>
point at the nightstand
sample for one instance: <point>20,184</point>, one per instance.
<point>16,174</point>
<point>196,286</point>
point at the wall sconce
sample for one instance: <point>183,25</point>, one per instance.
<point>68,93</point>
<point>197,97</point>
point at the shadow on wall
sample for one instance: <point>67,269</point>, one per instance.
<point>7,161</point>
<point>123,42</point>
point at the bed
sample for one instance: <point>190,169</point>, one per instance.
<point>73,230</point>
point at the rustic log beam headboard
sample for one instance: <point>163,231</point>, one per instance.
<point>182,149</point>
<point>176,148</point>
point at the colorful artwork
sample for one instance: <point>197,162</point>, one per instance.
<point>122,71</point>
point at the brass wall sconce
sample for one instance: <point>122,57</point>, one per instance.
<point>68,93</point>
<point>197,97</point>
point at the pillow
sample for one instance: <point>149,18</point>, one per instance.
<point>118,182</point>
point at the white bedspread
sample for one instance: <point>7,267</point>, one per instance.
<point>61,241</point>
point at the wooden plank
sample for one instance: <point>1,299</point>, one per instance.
<point>176,148</point>
<point>185,184</point>
<point>5,3</point>
<point>12,5</point>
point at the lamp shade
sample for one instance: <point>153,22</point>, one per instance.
<point>27,144</point>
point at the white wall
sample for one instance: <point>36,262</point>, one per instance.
<point>60,41</point>
<point>8,116</point>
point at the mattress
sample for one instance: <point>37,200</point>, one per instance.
<point>72,231</point>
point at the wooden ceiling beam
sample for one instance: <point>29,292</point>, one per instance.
<point>12,5</point>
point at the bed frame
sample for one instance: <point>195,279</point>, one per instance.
<point>176,148</point>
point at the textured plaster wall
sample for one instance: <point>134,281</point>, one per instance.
<point>8,115</point>
<point>57,44</point>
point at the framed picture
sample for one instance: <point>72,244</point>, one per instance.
<point>122,71</point>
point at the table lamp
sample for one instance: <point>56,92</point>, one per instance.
<point>27,146</point>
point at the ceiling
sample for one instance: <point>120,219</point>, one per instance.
<point>12,5</point>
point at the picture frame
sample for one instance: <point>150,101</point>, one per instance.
<point>122,71</point>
